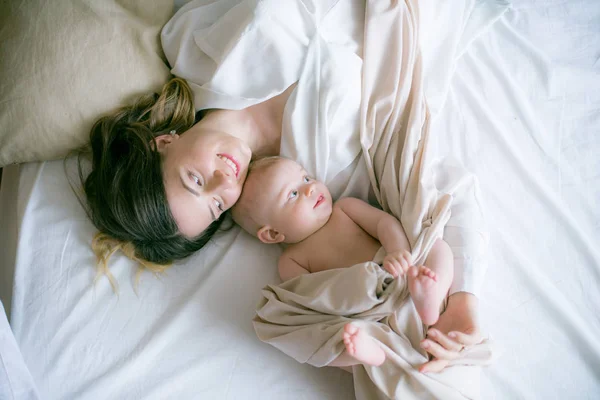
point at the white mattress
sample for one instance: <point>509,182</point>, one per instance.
<point>523,113</point>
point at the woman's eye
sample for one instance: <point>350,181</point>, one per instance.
<point>196,179</point>
<point>219,205</point>
<point>293,194</point>
<point>306,179</point>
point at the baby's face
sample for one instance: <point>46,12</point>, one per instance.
<point>293,203</point>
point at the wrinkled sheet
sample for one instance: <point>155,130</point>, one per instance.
<point>522,112</point>
<point>16,382</point>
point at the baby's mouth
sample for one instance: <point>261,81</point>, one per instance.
<point>320,199</point>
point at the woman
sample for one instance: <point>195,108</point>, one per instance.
<point>161,184</point>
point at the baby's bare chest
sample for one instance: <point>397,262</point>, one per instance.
<point>340,243</point>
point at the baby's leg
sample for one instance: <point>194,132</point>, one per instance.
<point>360,349</point>
<point>429,284</point>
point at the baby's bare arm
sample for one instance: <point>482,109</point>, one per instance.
<point>290,268</point>
<point>382,226</point>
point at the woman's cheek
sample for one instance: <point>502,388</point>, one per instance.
<point>233,196</point>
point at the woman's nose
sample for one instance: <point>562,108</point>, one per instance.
<point>222,179</point>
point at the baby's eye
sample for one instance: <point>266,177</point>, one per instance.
<point>219,205</point>
<point>306,179</point>
<point>293,194</point>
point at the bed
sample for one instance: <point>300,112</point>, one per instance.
<point>521,111</point>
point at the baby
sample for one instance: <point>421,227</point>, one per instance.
<point>280,203</point>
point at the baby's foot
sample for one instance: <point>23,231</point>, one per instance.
<point>362,347</point>
<point>426,292</point>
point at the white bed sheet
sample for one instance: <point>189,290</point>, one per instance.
<point>523,113</point>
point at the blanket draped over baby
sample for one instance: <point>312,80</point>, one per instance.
<point>305,316</point>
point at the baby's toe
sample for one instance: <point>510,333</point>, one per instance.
<point>350,329</point>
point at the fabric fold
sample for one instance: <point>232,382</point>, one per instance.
<point>305,318</point>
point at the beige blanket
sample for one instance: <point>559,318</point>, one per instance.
<point>305,317</point>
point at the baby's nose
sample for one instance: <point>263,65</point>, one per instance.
<point>308,190</point>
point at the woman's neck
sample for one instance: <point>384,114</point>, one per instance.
<point>258,125</point>
<point>238,123</point>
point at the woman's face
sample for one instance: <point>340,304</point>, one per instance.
<point>204,171</point>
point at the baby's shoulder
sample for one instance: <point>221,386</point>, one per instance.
<point>347,202</point>
<point>348,205</point>
<point>339,205</point>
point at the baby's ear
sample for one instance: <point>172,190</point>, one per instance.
<point>268,235</point>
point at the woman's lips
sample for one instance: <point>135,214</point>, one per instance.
<point>319,200</point>
<point>231,162</point>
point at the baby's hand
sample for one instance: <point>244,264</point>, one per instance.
<point>397,262</point>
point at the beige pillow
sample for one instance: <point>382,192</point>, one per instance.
<point>65,63</point>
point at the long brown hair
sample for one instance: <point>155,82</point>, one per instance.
<point>125,193</point>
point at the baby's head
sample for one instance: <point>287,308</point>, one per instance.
<point>281,203</point>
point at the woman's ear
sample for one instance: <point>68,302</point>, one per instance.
<point>163,141</point>
<point>268,235</point>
